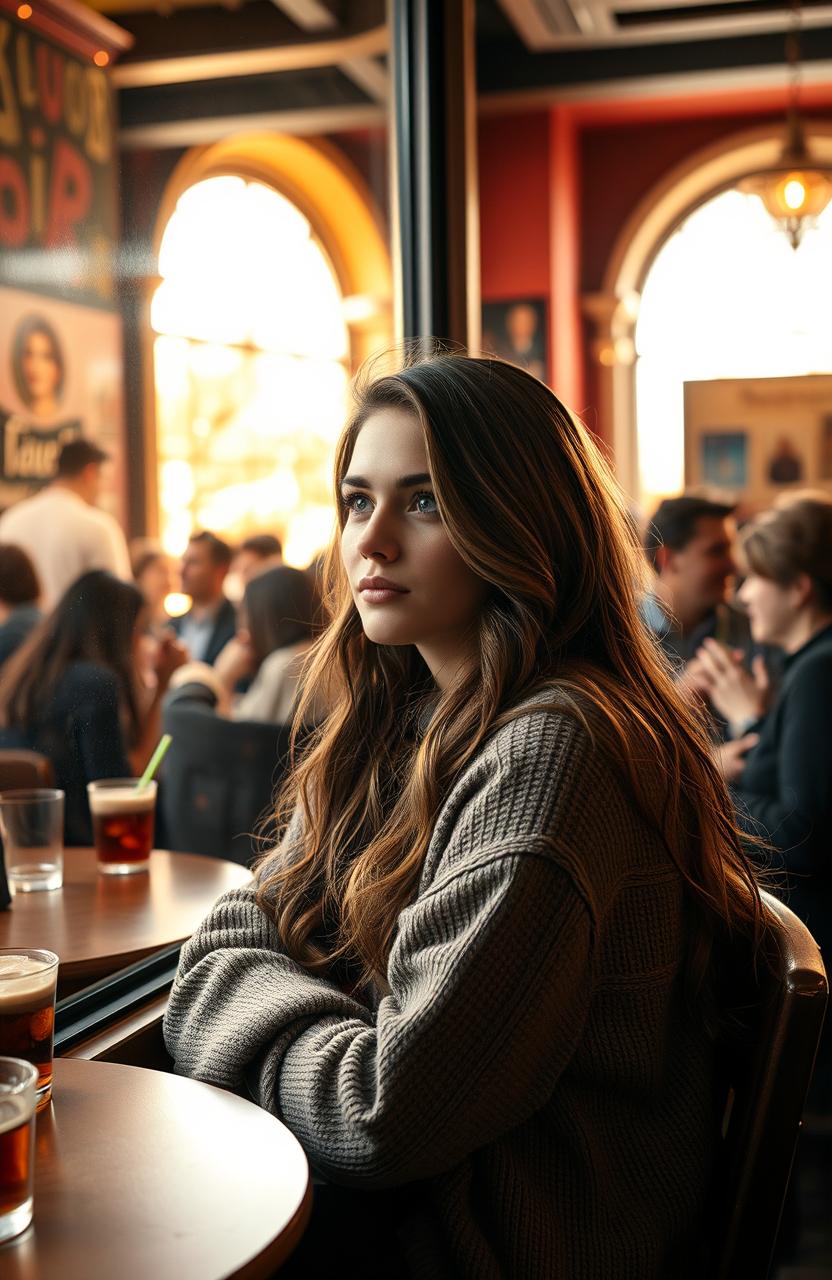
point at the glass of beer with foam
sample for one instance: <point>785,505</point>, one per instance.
<point>28,979</point>
<point>122,824</point>
<point>18,1083</point>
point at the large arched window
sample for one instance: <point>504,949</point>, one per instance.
<point>251,363</point>
<point>725,297</point>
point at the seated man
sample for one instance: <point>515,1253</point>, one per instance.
<point>689,543</point>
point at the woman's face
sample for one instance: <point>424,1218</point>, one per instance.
<point>772,610</point>
<point>156,582</point>
<point>409,584</point>
<point>41,371</point>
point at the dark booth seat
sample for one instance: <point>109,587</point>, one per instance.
<point>219,777</point>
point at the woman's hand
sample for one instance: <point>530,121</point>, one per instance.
<point>693,683</point>
<point>736,694</point>
<point>170,654</point>
<point>730,757</point>
<point>236,660</point>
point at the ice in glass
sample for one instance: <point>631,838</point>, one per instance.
<point>18,1080</point>
<point>28,979</point>
<point>122,824</point>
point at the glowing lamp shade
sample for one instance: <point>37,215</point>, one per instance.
<point>795,191</point>
<point>802,193</point>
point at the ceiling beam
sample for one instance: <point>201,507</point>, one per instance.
<point>309,15</point>
<point>369,75</point>
<point>250,62</point>
<point>197,133</point>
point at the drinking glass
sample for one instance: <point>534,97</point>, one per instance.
<point>122,824</point>
<point>32,824</point>
<point>18,1080</point>
<point>28,980</point>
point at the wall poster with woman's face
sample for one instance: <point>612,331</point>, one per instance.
<point>60,377</point>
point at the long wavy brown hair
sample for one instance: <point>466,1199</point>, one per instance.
<point>531,506</point>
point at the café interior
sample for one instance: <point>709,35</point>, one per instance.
<point>226,209</point>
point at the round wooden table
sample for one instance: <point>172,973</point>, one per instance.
<point>147,1176</point>
<point>97,924</point>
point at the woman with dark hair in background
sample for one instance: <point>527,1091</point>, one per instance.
<point>19,599</point>
<point>153,575</point>
<point>72,692</point>
<point>477,977</point>
<point>277,619</point>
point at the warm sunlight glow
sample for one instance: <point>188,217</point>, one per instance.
<point>251,364</point>
<point>726,297</point>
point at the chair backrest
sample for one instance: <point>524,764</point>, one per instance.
<point>218,780</point>
<point>20,768</point>
<point>767,1073</point>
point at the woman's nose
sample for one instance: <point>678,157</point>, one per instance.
<point>378,539</point>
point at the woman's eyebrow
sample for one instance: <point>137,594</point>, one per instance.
<point>403,482</point>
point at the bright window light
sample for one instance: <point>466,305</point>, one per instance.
<point>251,363</point>
<point>726,297</point>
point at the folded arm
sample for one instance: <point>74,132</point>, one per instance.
<point>490,978</point>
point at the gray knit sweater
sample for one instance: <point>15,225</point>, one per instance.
<point>531,1082</point>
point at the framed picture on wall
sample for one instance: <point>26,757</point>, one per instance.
<point>725,459</point>
<point>756,438</point>
<point>518,331</point>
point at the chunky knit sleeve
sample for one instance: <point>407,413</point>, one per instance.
<point>490,979</point>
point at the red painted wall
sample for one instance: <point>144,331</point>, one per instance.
<point>514,206</point>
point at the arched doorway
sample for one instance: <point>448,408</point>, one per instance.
<point>275,284</point>
<point>616,309</point>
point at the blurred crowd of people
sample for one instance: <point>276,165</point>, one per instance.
<point>745,618</point>
<point>89,651</point>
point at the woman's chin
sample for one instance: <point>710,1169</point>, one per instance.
<point>380,632</point>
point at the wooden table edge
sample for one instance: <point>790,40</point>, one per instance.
<point>264,1265</point>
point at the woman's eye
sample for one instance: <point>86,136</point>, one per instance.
<point>425,504</point>
<point>358,503</point>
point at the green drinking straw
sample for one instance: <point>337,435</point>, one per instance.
<point>154,761</point>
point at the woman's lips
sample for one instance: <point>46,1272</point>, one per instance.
<point>380,590</point>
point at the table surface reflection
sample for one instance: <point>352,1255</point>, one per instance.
<point>97,924</point>
<point>142,1175</point>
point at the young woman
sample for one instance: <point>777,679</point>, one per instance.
<point>476,977</point>
<point>153,575</point>
<point>278,615</point>
<point>780,763</point>
<point>72,692</point>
